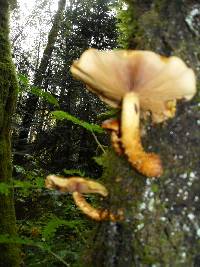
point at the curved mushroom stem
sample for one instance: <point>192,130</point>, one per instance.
<point>148,164</point>
<point>93,213</point>
<point>85,207</point>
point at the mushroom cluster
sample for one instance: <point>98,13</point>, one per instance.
<point>77,186</point>
<point>141,83</point>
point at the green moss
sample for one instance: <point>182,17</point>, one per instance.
<point>9,255</point>
<point>127,26</point>
<point>121,180</point>
<point>114,242</point>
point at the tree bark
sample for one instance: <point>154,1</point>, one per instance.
<point>169,28</point>
<point>9,253</point>
<point>31,103</point>
<point>115,243</point>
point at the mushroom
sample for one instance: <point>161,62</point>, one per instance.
<point>158,81</point>
<point>77,186</point>
<point>113,126</point>
<point>140,82</point>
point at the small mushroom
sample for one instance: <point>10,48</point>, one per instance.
<point>140,82</point>
<point>113,126</point>
<point>75,184</point>
<point>78,186</point>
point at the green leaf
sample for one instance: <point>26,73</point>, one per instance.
<point>6,239</point>
<point>73,171</point>
<point>54,223</point>
<point>39,182</point>
<point>109,114</point>
<point>23,79</point>
<point>19,169</point>
<point>25,187</point>
<point>99,160</point>
<point>154,188</point>
<point>4,188</point>
<point>61,115</point>
<point>44,95</point>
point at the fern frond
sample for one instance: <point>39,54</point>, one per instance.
<point>61,115</point>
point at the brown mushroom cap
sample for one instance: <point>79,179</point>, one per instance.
<point>159,81</point>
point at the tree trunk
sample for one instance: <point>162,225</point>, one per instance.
<point>31,103</point>
<point>9,253</point>
<point>169,28</point>
<point>114,243</point>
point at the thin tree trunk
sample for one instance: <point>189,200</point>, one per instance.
<point>9,253</point>
<point>31,103</point>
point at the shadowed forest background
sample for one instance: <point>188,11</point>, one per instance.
<point>49,136</point>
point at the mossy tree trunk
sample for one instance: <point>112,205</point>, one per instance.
<point>115,242</point>
<point>169,28</point>
<point>9,253</point>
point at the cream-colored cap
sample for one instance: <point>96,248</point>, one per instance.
<point>159,81</point>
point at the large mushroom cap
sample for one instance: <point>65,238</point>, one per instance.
<point>159,81</point>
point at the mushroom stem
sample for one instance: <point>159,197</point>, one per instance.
<point>148,164</point>
<point>93,213</point>
<point>87,209</point>
<point>113,126</point>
